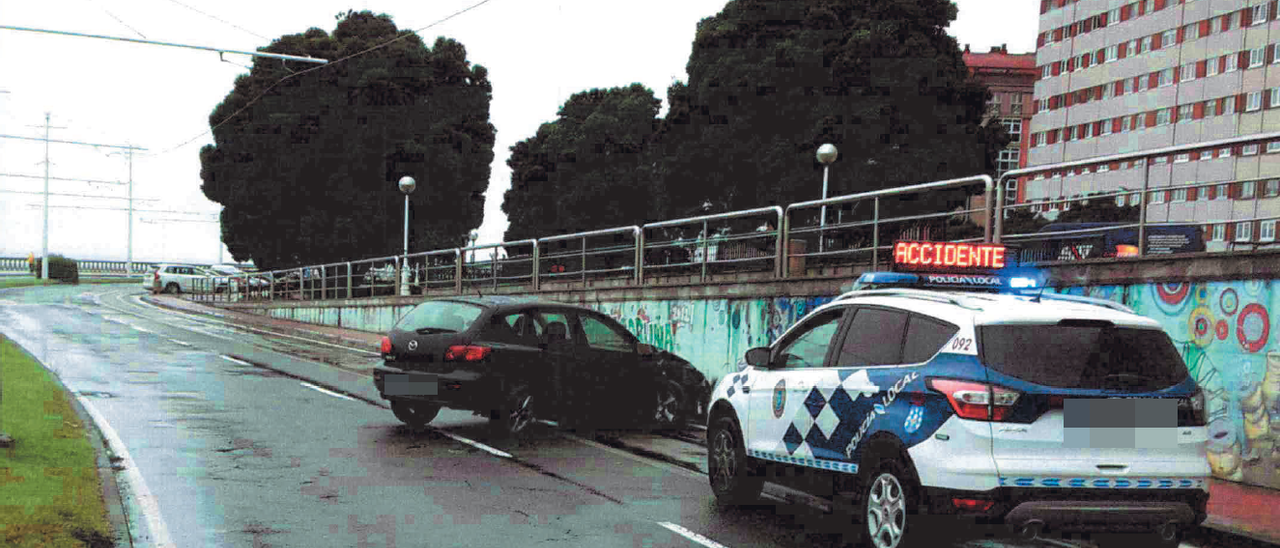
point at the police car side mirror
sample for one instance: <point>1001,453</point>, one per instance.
<point>758,357</point>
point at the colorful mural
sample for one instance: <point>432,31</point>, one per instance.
<point>712,334</point>
<point>1223,330</point>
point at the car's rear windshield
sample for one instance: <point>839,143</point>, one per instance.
<point>1089,355</point>
<point>440,317</point>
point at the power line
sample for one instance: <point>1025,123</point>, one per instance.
<point>312,69</point>
<point>41,139</point>
<point>126,209</point>
<point>51,178</point>
<point>126,25</point>
<point>80,195</point>
<point>216,18</point>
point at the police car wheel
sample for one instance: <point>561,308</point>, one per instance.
<point>727,466</point>
<point>884,505</point>
<point>416,415</point>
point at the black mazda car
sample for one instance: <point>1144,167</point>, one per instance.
<point>515,360</point>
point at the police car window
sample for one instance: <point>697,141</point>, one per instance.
<point>1083,356</point>
<point>874,338</point>
<point>925,337</point>
<point>809,348</point>
<point>602,336</point>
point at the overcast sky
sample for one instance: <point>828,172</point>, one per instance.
<point>538,53</point>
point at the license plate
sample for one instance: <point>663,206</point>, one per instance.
<point>1121,423</point>
<point>409,385</point>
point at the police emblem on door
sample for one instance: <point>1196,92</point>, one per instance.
<point>779,398</point>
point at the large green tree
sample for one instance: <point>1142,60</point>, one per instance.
<point>771,80</point>
<point>307,173</point>
<point>591,168</point>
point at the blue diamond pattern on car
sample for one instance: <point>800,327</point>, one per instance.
<point>914,418</point>
<point>815,402</point>
<point>792,439</point>
<point>731,391</point>
<point>1103,483</point>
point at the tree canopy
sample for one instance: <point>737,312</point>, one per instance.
<point>307,173</point>
<point>769,82</point>
<point>590,168</point>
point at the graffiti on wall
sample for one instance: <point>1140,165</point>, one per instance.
<point>1224,332</point>
<point>714,335</point>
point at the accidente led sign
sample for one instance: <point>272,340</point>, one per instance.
<point>948,256</point>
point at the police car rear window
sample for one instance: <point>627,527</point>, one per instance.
<point>1083,355</point>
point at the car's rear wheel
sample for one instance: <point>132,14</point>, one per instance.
<point>415,415</point>
<point>727,466</point>
<point>172,288</point>
<point>883,505</point>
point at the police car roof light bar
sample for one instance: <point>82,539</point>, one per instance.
<point>935,296</point>
<point>1088,300</point>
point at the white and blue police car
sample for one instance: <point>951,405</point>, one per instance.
<point>949,386</point>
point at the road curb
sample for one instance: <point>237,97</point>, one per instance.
<point>241,318</point>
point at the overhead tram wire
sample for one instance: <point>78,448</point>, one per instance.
<point>312,69</point>
<point>220,20</point>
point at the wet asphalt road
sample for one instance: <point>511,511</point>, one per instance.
<point>238,455</point>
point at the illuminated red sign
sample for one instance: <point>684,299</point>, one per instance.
<point>950,256</point>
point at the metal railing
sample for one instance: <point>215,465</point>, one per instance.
<point>10,266</point>
<point>708,252</point>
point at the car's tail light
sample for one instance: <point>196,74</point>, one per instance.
<point>975,400</point>
<point>1057,402</point>
<point>1191,410</point>
<point>156,277</point>
<point>972,505</point>
<point>466,353</point>
<point>386,345</point>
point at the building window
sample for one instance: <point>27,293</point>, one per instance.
<point>1103,168</point>
<point>1246,190</point>
<point>1229,106</point>
<point>1106,127</point>
<point>1222,192</point>
<point>1232,64</point>
<point>1008,161</point>
<point>1224,152</point>
<point>1157,197</point>
<point>1244,231</point>
<point>1133,199</point>
<point>1179,195</point>
<point>1257,57</point>
<point>1164,116</point>
<point>1158,160</point>
<point>1273,188</point>
<point>1145,46</point>
<point>1249,150</point>
<point>1275,98</point>
<point>1219,232</point>
<point>1013,127</point>
<point>1120,200</point>
<point>1275,53</point>
<point>1124,124</point>
<point>1253,101</point>
<point>1168,38</point>
<point>1273,147</point>
<point>1187,72</point>
<point>1267,231</point>
<point>1166,77</point>
<point>1113,16</point>
<point>1211,67</point>
<point>1046,71</point>
<point>1259,15</point>
<point>1070,134</point>
<point>1186,113</point>
<point>1182,158</point>
<point>1057,175</point>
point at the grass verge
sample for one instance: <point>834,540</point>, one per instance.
<point>22,281</point>
<point>50,493</point>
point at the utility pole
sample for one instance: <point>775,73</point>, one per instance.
<point>128,268</point>
<point>44,261</point>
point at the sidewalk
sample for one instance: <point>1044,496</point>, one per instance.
<point>1234,509</point>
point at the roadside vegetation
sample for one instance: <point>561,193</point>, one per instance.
<point>23,281</point>
<point>50,493</point>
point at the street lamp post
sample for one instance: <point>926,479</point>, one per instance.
<point>407,184</point>
<point>826,154</point>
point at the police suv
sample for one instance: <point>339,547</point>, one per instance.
<point>950,386</point>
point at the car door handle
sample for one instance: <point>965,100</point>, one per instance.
<point>746,389</point>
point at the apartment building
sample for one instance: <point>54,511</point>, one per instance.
<point>1011,79</point>
<point>1119,76</point>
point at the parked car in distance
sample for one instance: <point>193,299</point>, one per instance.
<point>516,360</point>
<point>179,278</point>
<point>237,275</point>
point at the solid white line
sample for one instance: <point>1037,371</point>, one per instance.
<point>150,508</point>
<point>176,341</point>
<point>230,359</point>
<point>329,392</point>
<point>144,330</point>
<point>475,444</point>
<point>691,535</point>
<point>138,299</point>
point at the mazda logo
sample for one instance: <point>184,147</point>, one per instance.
<point>413,345</point>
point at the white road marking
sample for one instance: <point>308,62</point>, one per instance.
<point>651,462</point>
<point>138,299</point>
<point>230,359</point>
<point>176,341</point>
<point>474,443</point>
<point>145,500</point>
<point>691,535</point>
<point>142,329</point>
<point>329,392</point>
